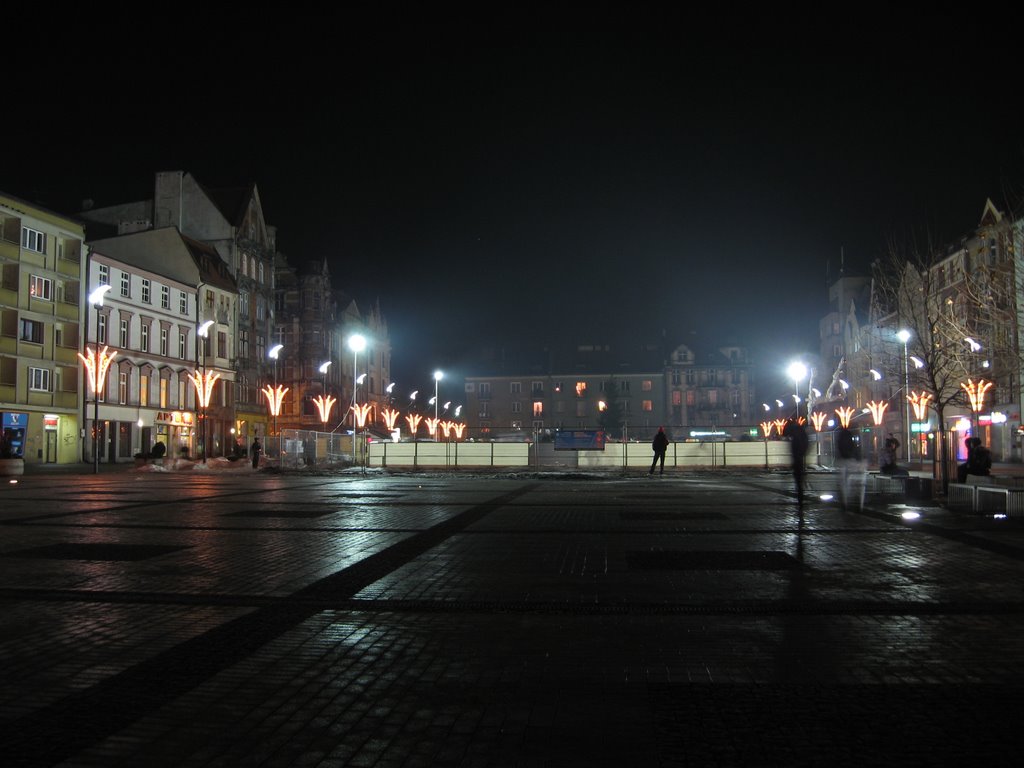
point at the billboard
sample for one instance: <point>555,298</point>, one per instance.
<point>579,440</point>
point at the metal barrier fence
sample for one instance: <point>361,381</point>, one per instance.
<point>294,449</point>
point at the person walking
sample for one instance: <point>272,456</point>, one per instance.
<point>798,444</point>
<point>851,471</point>
<point>255,451</point>
<point>660,445</point>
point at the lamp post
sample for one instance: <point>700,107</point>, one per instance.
<point>904,335</point>
<point>797,371</point>
<point>273,354</point>
<point>96,299</point>
<point>438,375</point>
<point>203,333</point>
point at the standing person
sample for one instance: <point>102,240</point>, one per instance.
<point>851,473</point>
<point>798,450</point>
<point>255,451</point>
<point>660,445</point>
<point>980,461</point>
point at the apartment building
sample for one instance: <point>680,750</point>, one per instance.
<point>40,328</point>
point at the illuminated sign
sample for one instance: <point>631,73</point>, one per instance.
<point>49,421</point>
<point>174,418</point>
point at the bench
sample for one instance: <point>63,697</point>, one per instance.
<point>996,498</point>
<point>888,485</point>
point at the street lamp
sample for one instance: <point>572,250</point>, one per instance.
<point>904,335</point>
<point>797,372</point>
<point>323,383</point>
<point>438,375</point>
<point>96,300</point>
<point>203,332</point>
<point>273,354</point>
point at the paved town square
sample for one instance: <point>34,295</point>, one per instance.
<point>530,619</point>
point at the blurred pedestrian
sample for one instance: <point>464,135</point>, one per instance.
<point>852,480</point>
<point>798,444</point>
<point>255,451</point>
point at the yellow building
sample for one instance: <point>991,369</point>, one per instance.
<point>40,332</point>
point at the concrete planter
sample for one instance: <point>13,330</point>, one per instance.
<point>11,467</point>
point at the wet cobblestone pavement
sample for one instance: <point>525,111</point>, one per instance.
<point>429,620</point>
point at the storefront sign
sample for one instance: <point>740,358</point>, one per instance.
<point>174,418</point>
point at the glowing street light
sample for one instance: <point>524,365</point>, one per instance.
<point>904,335</point>
<point>438,375</point>
<point>845,414</point>
<point>390,418</point>
<point>797,371</point>
<point>361,412</point>
<point>780,424</point>
<point>976,392</point>
<point>203,332</point>
<point>766,427</point>
<point>324,404</point>
<point>818,419</point>
<point>919,400</point>
<point>432,424</point>
<point>877,410</point>
<point>96,300</point>
<point>96,365</point>
<point>413,420</point>
<point>357,343</point>
<point>203,383</point>
<point>275,397</point>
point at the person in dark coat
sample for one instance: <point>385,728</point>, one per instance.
<point>798,444</point>
<point>660,445</point>
<point>255,451</point>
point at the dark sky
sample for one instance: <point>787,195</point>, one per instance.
<point>514,180</point>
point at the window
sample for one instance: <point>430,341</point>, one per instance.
<point>122,388</point>
<point>182,303</point>
<point>145,291</point>
<point>647,405</point>
<point>163,342</point>
<point>676,378</point>
<point>243,344</point>
<point>101,329</point>
<point>143,390</point>
<point>33,240</point>
<point>485,390</point>
<point>124,334</point>
<point>677,397</point>
<point>691,398</point>
<point>581,389</point>
<point>40,288</point>
<point>209,299</point>
<point>261,346</point>
<point>39,379</point>
<point>104,274</point>
<point>32,331</point>
<point>691,378</point>
<point>182,346</point>
<point>538,408</point>
<point>517,407</point>
<point>485,410</point>
<point>165,297</point>
<point>646,385</point>
<point>125,284</point>
<point>581,409</point>
<point>515,387</point>
<point>537,387</point>
<point>163,392</point>
<point>243,303</point>
<point>261,308</point>
<point>261,273</point>
<point>181,393</point>
<point>145,337</point>
<point>222,344</point>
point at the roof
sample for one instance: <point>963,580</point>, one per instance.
<point>232,202</point>
<point>168,253</point>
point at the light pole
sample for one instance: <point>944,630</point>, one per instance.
<point>273,354</point>
<point>904,335</point>
<point>96,299</point>
<point>797,371</point>
<point>203,333</point>
<point>438,375</point>
<point>357,343</point>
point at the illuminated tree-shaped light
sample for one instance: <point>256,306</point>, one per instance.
<point>458,428</point>
<point>818,419</point>
<point>413,420</point>
<point>275,396</point>
<point>877,410</point>
<point>203,382</point>
<point>390,417</point>
<point>96,365</point>
<point>780,424</point>
<point>766,427</point>
<point>801,421</point>
<point>845,414</point>
<point>976,392</point>
<point>920,402</point>
<point>446,428</point>
<point>432,423</point>
<point>324,406</point>
<point>361,412</point>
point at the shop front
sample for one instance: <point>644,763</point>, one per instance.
<point>177,431</point>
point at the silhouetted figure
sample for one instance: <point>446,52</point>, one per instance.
<point>962,470</point>
<point>798,443</point>
<point>979,460</point>
<point>159,449</point>
<point>255,449</point>
<point>660,445</point>
<point>851,470</point>
<point>887,459</point>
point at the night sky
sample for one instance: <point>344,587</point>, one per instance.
<point>606,180</point>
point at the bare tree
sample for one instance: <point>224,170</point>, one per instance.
<point>959,304</point>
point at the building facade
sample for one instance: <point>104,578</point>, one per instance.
<point>41,305</point>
